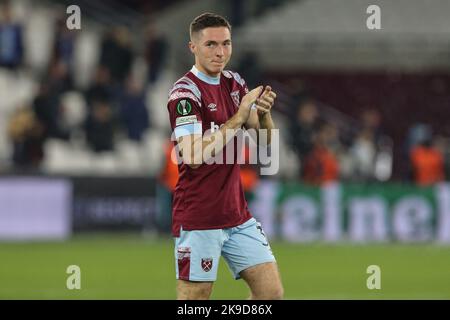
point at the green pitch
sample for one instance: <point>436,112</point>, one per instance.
<point>133,267</point>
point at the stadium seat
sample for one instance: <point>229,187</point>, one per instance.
<point>58,156</point>
<point>74,108</point>
<point>105,164</point>
<point>152,151</point>
<point>129,157</point>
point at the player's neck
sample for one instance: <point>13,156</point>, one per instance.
<point>201,73</point>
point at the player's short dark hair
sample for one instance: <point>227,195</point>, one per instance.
<point>208,20</point>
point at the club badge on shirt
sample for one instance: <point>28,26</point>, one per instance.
<point>235,97</point>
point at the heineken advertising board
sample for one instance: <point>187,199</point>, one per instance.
<point>354,213</point>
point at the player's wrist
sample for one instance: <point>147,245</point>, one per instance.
<point>240,122</point>
<point>239,119</point>
<point>264,115</point>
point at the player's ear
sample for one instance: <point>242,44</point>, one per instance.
<point>191,46</point>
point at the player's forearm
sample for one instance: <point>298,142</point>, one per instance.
<point>204,148</point>
<point>252,121</point>
<point>266,122</point>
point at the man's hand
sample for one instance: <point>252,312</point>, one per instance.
<point>246,103</point>
<point>265,102</point>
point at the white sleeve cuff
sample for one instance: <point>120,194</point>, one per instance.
<point>188,129</point>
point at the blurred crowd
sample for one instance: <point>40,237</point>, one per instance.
<point>115,99</point>
<point>326,151</point>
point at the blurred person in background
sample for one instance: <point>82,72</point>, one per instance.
<point>27,136</point>
<point>426,160</point>
<point>48,110</point>
<point>442,144</point>
<point>249,174</point>
<point>11,39</point>
<point>133,110</point>
<point>371,120</point>
<point>63,48</point>
<point>59,78</point>
<point>103,106</point>
<point>116,54</point>
<point>236,12</point>
<point>250,67</point>
<point>363,150</point>
<point>301,128</point>
<point>156,52</point>
<point>264,5</point>
<point>101,87</point>
<point>166,182</point>
<point>100,126</point>
<point>362,155</point>
<point>321,164</point>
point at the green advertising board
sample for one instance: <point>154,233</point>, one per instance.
<point>354,212</point>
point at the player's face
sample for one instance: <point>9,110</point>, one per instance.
<point>212,49</point>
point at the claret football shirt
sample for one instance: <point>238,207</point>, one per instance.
<point>210,196</point>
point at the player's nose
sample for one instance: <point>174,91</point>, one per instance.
<point>219,52</point>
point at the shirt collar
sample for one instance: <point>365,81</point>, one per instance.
<point>204,77</point>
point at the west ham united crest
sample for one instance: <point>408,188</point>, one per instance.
<point>207,264</point>
<point>235,97</point>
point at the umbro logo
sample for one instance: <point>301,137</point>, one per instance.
<point>212,107</point>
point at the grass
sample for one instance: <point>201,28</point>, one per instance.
<point>134,267</point>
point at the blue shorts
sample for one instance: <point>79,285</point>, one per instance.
<point>197,252</point>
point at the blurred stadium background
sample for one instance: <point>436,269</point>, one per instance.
<point>364,149</point>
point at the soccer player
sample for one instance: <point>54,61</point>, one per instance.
<point>210,217</point>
